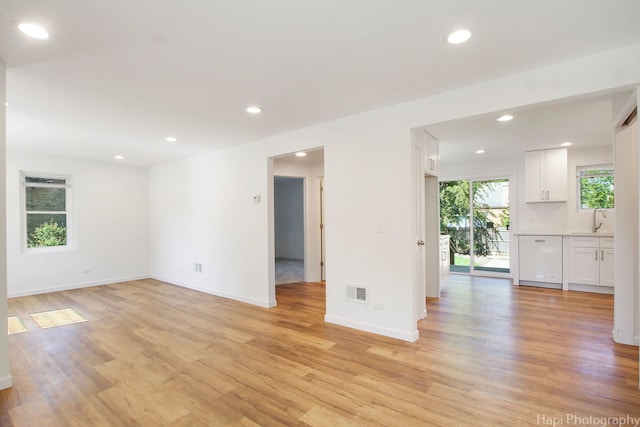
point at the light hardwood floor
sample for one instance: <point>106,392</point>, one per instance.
<point>153,354</point>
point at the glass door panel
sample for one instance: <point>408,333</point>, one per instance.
<point>491,225</point>
<point>476,216</point>
<point>454,221</point>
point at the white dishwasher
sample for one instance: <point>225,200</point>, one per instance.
<point>540,261</point>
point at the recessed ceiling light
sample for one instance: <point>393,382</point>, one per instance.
<point>459,36</point>
<point>505,118</point>
<point>479,151</point>
<point>566,144</point>
<point>7,104</point>
<point>254,110</point>
<point>301,154</point>
<point>118,157</point>
<point>33,30</point>
<point>171,139</point>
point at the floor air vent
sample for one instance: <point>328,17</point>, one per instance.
<point>357,294</point>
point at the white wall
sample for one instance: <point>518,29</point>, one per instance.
<point>625,318</point>
<point>197,215</point>
<point>289,218</point>
<point>110,206</point>
<point>5,376</point>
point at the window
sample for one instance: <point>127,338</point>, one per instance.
<point>46,206</point>
<point>595,187</point>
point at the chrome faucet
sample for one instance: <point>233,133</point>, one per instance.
<point>604,215</point>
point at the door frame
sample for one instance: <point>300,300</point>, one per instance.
<point>513,207</point>
<point>311,190</point>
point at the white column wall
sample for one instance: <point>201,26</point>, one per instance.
<point>626,236</point>
<point>5,376</point>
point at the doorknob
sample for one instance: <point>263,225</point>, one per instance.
<point>420,242</point>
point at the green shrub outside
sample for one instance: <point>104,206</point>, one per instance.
<point>48,234</point>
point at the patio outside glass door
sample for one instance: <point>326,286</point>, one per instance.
<point>475,213</point>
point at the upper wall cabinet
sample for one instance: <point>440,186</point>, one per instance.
<point>432,156</point>
<point>546,175</point>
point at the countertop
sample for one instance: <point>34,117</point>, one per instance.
<point>569,234</point>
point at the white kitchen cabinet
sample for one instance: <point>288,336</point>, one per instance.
<point>591,261</point>
<point>546,176</point>
<point>432,156</point>
<point>445,260</point>
<point>607,257</point>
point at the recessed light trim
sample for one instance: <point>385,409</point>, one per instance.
<point>459,36</point>
<point>301,154</point>
<point>118,157</point>
<point>505,118</point>
<point>566,144</point>
<point>254,110</point>
<point>34,30</point>
<point>480,151</point>
<point>171,139</point>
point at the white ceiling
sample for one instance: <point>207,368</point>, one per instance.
<point>585,122</point>
<point>118,76</point>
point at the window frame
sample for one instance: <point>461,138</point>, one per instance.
<point>579,177</point>
<point>70,224</point>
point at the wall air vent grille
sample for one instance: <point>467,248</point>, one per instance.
<point>357,294</point>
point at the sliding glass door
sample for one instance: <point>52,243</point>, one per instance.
<point>475,213</point>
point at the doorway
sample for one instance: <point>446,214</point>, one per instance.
<point>476,216</point>
<point>305,170</point>
<point>289,229</point>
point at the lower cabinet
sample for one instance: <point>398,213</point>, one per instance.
<point>591,261</point>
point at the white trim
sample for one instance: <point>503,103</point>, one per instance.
<point>624,337</point>
<point>69,210</point>
<point>511,177</point>
<point>235,297</point>
<point>580,177</point>
<point>75,286</point>
<point>367,327</point>
<point>6,382</point>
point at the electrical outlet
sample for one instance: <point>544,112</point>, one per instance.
<point>378,306</point>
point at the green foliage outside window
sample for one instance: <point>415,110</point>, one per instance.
<point>45,211</point>
<point>49,233</point>
<point>596,188</point>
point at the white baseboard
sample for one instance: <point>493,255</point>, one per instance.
<point>235,297</point>
<point>540,284</point>
<point>591,288</point>
<point>367,327</point>
<point>36,291</point>
<point>6,382</point>
<point>624,337</point>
